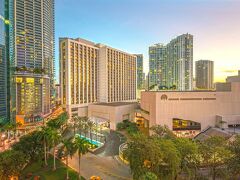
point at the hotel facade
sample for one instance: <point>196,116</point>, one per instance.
<point>193,111</point>
<point>91,73</point>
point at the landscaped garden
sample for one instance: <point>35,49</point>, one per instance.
<point>36,153</point>
<point>164,156</point>
<point>127,128</point>
<point>37,169</point>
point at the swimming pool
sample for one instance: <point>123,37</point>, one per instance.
<point>97,143</point>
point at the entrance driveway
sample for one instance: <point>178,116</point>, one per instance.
<point>104,162</point>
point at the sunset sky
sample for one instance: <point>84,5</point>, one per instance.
<point>134,25</point>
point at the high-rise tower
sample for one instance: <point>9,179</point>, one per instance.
<point>31,57</point>
<point>157,65</point>
<point>140,74</point>
<point>92,73</point>
<point>171,65</point>
<point>204,74</point>
<point>3,65</point>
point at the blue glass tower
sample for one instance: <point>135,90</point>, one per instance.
<point>3,65</point>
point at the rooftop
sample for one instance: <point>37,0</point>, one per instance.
<point>115,104</point>
<point>212,131</point>
<point>164,91</point>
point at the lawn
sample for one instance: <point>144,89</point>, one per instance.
<point>46,173</point>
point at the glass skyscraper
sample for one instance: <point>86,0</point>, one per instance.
<point>171,65</point>
<point>157,66</point>
<point>204,70</point>
<point>140,74</point>
<point>29,30</point>
<point>3,65</point>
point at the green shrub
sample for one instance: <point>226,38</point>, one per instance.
<point>120,126</point>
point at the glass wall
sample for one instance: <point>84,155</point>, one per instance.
<point>3,65</point>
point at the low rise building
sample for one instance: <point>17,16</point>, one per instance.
<point>189,112</point>
<point>112,113</point>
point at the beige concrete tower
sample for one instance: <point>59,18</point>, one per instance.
<point>78,74</point>
<point>91,73</point>
<point>117,75</point>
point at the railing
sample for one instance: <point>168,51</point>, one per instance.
<point>122,147</point>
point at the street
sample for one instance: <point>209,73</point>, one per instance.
<point>104,162</point>
<point>108,168</point>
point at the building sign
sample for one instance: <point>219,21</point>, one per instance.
<point>164,97</point>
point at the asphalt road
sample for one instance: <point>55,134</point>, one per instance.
<point>103,162</point>
<point>111,147</point>
<point>108,168</point>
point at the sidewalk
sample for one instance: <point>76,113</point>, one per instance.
<point>108,168</point>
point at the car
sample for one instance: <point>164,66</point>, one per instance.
<point>4,137</point>
<point>95,178</point>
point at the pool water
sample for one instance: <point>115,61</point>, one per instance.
<point>97,143</point>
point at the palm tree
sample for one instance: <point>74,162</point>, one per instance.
<point>62,119</point>
<point>80,124</point>
<point>15,126</point>
<point>90,126</point>
<point>1,131</point>
<point>44,136</point>
<point>8,127</point>
<point>69,150</point>
<point>54,137</point>
<point>82,148</point>
<point>95,129</point>
<point>74,119</point>
<point>18,124</point>
<point>85,121</point>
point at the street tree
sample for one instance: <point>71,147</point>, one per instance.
<point>82,148</point>
<point>189,159</point>
<point>9,127</point>
<point>44,136</point>
<point>234,162</point>
<point>215,155</point>
<point>11,164</point>
<point>90,126</point>
<point>162,132</point>
<point>75,123</point>
<point>152,154</point>
<point>30,145</point>
<point>80,123</point>
<point>2,130</point>
<point>149,176</point>
<point>54,138</point>
<point>69,150</point>
<point>85,121</point>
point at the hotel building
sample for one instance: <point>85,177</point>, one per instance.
<point>204,74</point>
<point>189,112</point>
<point>78,74</point>
<point>117,75</point>
<point>92,73</point>
<point>171,65</point>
